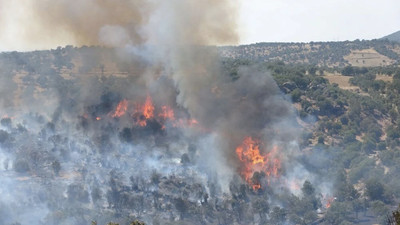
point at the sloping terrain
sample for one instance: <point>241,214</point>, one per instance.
<point>393,37</point>
<point>329,54</point>
<point>368,58</point>
<point>82,139</point>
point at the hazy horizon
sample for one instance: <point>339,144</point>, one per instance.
<point>256,21</point>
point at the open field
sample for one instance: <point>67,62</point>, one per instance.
<point>383,77</point>
<point>342,81</point>
<point>367,58</point>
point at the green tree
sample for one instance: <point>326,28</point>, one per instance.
<point>380,210</point>
<point>308,189</point>
<point>338,213</point>
<point>309,217</point>
<point>374,189</point>
<point>296,95</point>
<point>348,71</point>
<point>368,145</point>
<point>309,195</point>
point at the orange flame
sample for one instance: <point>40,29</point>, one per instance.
<point>144,112</point>
<point>253,161</point>
<point>256,186</point>
<point>329,202</point>
<point>121,109</point>
<point>193,122</point>
<point>167,113</point>
<point>148,109</point>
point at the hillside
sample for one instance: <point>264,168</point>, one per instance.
<point>80,129</point>
<point>328,54</point>
<point>393,37</point>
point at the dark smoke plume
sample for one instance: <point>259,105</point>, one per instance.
<point>164,50</point>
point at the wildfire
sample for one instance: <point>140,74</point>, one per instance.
<point>121,109</point>
<point>329,202</point>
<point>254,161</point>
<point>145,111</point>
<point>193,122</point>
<point>250,150</point>
<point>256,186</point>
<point>167,113</point>
<point>148,108</point>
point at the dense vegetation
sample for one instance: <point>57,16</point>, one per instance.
<point>350,138</point>
<point>359,132</point>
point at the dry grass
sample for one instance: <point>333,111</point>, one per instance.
<point>396,49</point>
<point>385,122</point>
<point>342,81</point>
<point>367,58</point>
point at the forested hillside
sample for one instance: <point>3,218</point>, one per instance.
<point>350,110</point>
<point>331,54</point>
<point>88,158</point>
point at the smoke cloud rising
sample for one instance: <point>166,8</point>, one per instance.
<point>101,129</point>
<point>119,23</point>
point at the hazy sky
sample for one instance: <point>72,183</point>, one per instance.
<point>317,20</point>
<point>260,21</point>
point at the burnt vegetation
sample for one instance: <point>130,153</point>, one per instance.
<point>93,163</point>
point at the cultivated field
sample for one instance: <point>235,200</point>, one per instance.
<point>367,58</point>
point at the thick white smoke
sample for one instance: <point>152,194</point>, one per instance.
<point>166,49</point>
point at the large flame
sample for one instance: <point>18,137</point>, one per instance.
<point>144,112</point>
<point>254,161</point>
<point>148,108</point>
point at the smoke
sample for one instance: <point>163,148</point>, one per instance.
<point>36,24</point>
<point>233,110</point>
<point>168,41</point>
<point>7,89</point>
<point>163,49</point>
<point>78,22</point>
